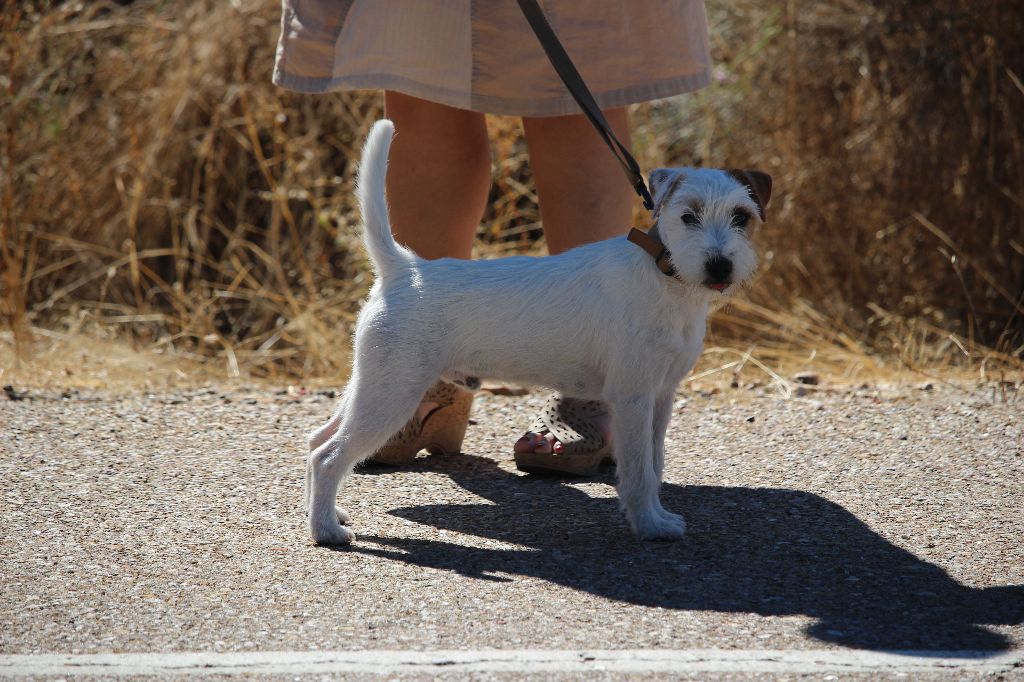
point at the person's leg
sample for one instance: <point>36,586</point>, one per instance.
<point>583,194</point>
<point>439,175</point>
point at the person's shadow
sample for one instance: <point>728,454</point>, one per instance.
<point>756,550</point>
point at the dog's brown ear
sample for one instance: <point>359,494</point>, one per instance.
<point>760,185</point>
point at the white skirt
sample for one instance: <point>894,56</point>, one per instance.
<point>482,55</point>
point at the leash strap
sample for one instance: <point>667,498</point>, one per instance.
<point>574,83</point>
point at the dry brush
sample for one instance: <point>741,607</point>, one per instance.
<point>155,185</point>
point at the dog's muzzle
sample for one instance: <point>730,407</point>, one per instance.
<point>719,273</point>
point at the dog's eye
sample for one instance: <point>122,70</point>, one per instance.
<point>690,218</point>
<point>740,219</point>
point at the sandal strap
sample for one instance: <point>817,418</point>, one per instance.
<point>572,422</point>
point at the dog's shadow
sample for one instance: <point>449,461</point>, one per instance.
<point>756,550</point>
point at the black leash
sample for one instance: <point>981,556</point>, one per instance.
<point>578,89</point>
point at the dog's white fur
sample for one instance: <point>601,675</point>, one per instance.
<point>597,322</point>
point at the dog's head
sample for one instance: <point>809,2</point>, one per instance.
<point>705,217</point>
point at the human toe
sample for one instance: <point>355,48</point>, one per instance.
<point>534,442</point>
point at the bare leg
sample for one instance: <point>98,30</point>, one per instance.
<point>583,194</point>
<point>584,197</point>
<point>439,175</point>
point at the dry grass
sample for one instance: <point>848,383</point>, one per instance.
<point>896,130</point>
<point>157,188</point>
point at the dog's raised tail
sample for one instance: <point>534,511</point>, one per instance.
<point>386,254</point>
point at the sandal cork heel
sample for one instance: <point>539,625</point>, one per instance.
<point>550,464</point>
<point>439,431</point>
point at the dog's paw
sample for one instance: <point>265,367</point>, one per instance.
<point>343,516</point>
<point>659,525</point>
<point>331,535</point>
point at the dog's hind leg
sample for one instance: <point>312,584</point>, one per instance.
<point>373,409</point>
<point>321,435</point>
<point>639,481</point>
<point>316,439</point>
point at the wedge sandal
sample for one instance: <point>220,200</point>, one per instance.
<point>440,430</point>
<point>573,423</point>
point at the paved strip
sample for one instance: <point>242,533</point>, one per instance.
<point>392,662</point>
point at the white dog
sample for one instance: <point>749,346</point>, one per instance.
<point>629,328</point>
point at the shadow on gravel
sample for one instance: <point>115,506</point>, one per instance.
<point>773,552</point>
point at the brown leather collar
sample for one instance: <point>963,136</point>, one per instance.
<point>652,245</point>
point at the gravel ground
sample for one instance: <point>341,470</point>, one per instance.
<point>839,518</point>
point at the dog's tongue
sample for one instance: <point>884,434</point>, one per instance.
<point>718,286</point>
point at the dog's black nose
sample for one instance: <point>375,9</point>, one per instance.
<point>718,269</point>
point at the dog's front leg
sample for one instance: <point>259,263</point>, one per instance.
<point>662,417</point>
<point>639,480</point>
